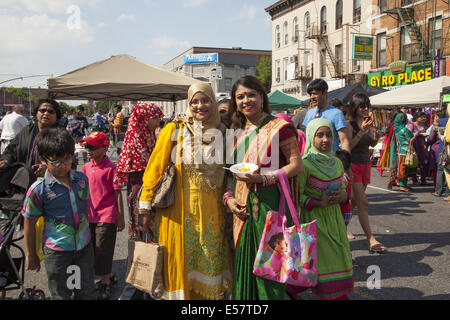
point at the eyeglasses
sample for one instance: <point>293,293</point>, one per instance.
<point>58,163</point>
<point>50,111</point>
<point>364,106</point>
<point>91,147</point>
<point>196,102</point>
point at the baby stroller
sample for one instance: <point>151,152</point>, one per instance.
<point>14,183</point>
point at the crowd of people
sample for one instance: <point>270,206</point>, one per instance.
<point>212,232</point>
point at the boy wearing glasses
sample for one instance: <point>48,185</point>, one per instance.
<point>61,197</point>
<point>106,215</point>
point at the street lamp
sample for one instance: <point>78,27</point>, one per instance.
<point>21,78</point>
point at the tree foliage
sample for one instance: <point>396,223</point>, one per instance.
<point>264,72</point>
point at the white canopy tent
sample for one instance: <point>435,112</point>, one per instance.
<point>120,78</point>
<point>422,94</point>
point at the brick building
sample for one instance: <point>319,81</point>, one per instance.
<point>353,40</point>
<point>411,42</point>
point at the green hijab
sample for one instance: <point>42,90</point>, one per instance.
<point>400,122</point>
<point>326,162</point>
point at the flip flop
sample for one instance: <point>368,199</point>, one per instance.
<point>378,248</point>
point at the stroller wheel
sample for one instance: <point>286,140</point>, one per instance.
<point>32,294</point>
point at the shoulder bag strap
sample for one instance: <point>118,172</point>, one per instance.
<point>286,194</point>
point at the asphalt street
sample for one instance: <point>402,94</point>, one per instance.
<point>414,226</point>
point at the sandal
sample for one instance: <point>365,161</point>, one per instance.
<point>99,283</point>
<point>405,189</point>
<point>105,292</point>
<point>435,194</point>
<point>113,279</point>
<point>378,248</point>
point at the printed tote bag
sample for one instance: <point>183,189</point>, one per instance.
<point>287,255</point>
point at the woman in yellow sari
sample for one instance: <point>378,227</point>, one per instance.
<point>192,231</point>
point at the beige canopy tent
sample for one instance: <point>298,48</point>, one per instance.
<point>422,94</point>
<point>120,78</point>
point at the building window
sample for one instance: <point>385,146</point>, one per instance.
<point>356,11</point>
<point>286,33</point>
<point>308,65</point>
<point>381,50</point>
<point>228,84</point>
<point>405,45</point>
<point>295,30</point>
<point>307,25</point>
<point>285,68</point>
<point>323,20</point>
<point>277,36</point>
<point>277,71</point>
<point>382,6</point>
<point>406,2</point>
<point>323,63</point>
<point>435,34</point>
<point>355,65</point>
<point>339,14</point>
<point>338,55</point>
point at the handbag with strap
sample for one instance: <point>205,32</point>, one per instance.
<point>287,255</point>
<point>144,267</point>
<point>444,157</point>
<point>411,159</point>
<point>164,192</point>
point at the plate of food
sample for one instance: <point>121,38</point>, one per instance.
<point>241,169</point>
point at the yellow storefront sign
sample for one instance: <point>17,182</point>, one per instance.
<point>402,78</point>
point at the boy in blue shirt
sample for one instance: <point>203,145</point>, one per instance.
<point>318,90</point>
<point>61,197</point>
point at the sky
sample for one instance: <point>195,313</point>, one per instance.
<point>46,38</point>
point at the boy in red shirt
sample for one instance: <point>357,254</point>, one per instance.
<point>106,215</point>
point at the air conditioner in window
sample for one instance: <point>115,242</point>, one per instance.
<point>356,67</point>
<point>277,79</point>
<point>277,45</point>
<point>295,38</point>
<point>307,33</point>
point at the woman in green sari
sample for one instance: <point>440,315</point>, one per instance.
<point>271,143</point>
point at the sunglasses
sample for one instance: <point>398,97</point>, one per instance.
<point>58,163</point>
<point>364,106</point>
<point>91,147</point>
<point>50,111</point>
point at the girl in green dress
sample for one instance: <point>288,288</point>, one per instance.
<point>322,189</point>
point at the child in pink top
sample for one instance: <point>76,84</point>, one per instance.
<point>106,215</point>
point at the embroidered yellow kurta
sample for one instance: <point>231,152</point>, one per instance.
<point>192,231</point>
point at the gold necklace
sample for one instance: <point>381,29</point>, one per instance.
<point>257,122</point>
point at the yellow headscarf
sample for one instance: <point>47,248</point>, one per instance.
<point>204,175</point>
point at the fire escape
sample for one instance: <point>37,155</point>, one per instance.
<point>319,33</point>
<point>420,50</point>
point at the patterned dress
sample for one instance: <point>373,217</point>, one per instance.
<point>192,231</point>
<point>334,261</point>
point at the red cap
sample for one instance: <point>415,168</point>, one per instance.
<point>96,139</point>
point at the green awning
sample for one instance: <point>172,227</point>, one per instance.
<point>281,101</point>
